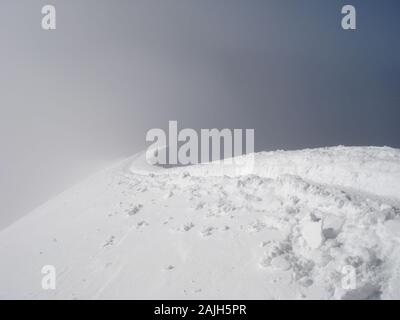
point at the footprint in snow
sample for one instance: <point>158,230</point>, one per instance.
<point>135,210</point>
<point>186,227</point>
<point>109,242</point>
<point>200,205</point>
<point>168,195</point>
<point>256,226</point>
<point>168,220</point>
<point>142,224</point>
<point>208,231</point>
<point>169,268</point>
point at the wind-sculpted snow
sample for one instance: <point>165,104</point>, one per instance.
<point>285,231</point>
<point>370,169</point>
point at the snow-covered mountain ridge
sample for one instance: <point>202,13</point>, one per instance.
<point>286,230</point>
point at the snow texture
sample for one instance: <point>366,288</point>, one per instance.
<point>286,230</point>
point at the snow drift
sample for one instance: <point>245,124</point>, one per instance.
<point>285,230</point>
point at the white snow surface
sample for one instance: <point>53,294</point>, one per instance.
<point>284,230</point>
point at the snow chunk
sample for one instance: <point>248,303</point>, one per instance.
<point>311,231</point>
<point>280,263</point>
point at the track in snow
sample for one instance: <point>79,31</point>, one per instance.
<point>284,231</point>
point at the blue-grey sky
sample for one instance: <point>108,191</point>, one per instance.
<point>76,99</point>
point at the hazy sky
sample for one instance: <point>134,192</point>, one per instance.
<point>78,98</point>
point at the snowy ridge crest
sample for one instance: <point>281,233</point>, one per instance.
<point>286,230</point>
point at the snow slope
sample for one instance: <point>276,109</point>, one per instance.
<point>284,230</point>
